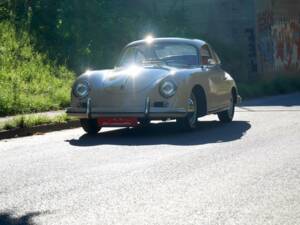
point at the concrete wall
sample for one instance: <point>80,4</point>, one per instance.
<point>231,23</point>
<point>266,33</point>
<point>228,24</point>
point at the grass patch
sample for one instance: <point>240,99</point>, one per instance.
<point>29,121</point>
<point>280,85</point>
<point>29,81</point>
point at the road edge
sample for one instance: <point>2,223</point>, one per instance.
<point>41,129</point>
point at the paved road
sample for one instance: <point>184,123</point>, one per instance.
<point>246,172</point>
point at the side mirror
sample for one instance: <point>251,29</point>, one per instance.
<point>212,62</point>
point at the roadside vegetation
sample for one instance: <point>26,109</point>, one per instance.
<point>29,81</point>
<point>280,85</point>
<point>43,43</point>
<point>29,121</point>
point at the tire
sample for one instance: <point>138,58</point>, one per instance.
<point>227,116</point>
<point>90,126</point>
<point>144,123</point>
<point>191,120</point>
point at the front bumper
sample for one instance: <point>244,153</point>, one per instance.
<point>148,112</point>
<point>239,100</point>
<point>152,115</point>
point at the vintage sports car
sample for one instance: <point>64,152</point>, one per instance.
<point>155,79</point>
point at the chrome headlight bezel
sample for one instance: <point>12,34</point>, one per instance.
<point>81,89</point>
<point>167,88</point>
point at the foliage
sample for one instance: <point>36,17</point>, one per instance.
<point>280,85</point>
<point>29,82</point>
<point>28,121</point>
<point>90,34</point>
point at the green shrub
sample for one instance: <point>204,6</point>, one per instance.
<point>29,82</point>
<point>280,85</point>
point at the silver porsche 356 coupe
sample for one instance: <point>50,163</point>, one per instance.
<point>155,79</point>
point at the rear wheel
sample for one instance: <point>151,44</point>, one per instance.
<point>90,126</point>
<point>190,121</point>
<point>227,116</point>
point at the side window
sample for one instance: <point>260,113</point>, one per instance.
<point>139,57</point>
<point>205,55</point>
<point>132,56</point>
<point>129,56</point>
<point>215,56</point>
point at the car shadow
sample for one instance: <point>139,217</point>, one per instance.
<point>167,133</point>
<point>7,218</point>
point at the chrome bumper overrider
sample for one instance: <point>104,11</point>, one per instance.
<point>239,100</point>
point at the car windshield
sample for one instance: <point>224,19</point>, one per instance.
<point>170,54</point>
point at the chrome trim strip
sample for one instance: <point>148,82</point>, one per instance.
<point>147,106</point>
<point>128,114</point>
<point>239,100</point>
<point>88,107</point>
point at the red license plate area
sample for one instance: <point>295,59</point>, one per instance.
<point>118,122</point>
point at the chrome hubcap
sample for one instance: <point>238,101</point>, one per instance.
<point>231,109</point>
<point>193,110</point>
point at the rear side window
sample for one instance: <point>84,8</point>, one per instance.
<point>205,55</point>
<point>215,56</point>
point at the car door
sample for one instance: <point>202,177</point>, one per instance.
<point>225,80</point>
<point>216,77</point>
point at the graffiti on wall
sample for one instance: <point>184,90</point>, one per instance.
<point>286,41</point>
<point>251,50</point>
<point>278,43</point>
<point>265,20</point>
<point>265,46</point>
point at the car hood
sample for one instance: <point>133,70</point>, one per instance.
<point>132,79</point>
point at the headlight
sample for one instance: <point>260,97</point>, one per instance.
<point>81,89</point>
<point>167,89</point>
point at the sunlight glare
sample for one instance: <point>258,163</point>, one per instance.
<point>134,70</point>
<point>149,39</point>
<point>88,72</point>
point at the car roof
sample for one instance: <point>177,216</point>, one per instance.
<point>195,42</point>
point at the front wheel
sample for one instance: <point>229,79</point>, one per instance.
<point>191,120</point>
<point>90,126</point>
<point>145,122</point>
<point>227,116</point>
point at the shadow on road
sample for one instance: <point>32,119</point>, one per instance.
<point>7,218</point>
<point>167,133</point>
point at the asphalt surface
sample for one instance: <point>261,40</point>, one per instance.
<point>246,172</point>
